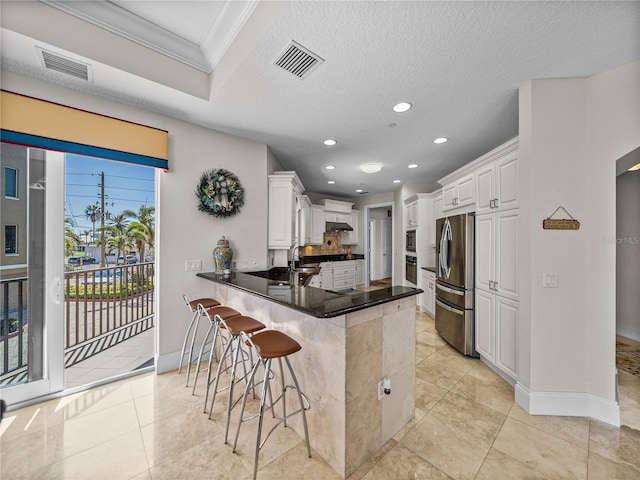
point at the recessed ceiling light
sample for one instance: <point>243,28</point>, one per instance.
<point>330,141</point>
<point>441,140</point>
<point>413,165</point>
<point>330,167</point>
<point>371,167</point>
<point>331,182</point>
<point>401,107</point>
<point>396,181</point>
<point>359,190</point>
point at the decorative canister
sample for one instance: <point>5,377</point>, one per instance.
<point>222,255</point>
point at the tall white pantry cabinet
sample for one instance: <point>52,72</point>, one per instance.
<point>496,289</point>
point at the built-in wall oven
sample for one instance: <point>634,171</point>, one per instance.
<point>410,241</point>
<point>411,269</point>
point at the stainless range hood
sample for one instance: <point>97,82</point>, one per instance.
<point>338,227</point>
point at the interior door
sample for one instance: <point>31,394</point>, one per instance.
<point>386,249</point>
<point>40,306</point>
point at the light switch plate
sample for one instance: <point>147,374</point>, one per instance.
<point>550,280</point>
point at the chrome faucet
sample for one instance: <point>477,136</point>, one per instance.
<point>292,252</point>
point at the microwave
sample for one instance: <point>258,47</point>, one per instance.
<point>410,241</point>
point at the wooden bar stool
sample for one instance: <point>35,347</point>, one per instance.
<point>235,327</point>
<point>212,314</point>
<point>270,344</point>
<point>192,329</point>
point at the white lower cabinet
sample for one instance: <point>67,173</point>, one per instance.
<point>344,276</point>
<point>496,322</point>
<point>359,272</point>
<point>428,298</point>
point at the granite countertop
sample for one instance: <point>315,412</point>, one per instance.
<point>313,301</point>
<point>430,269</point>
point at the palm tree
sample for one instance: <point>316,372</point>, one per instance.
<point>92,212</point>
<point>116,241</point>
<point>119,221</point>
<point>138,233</point>
<point>145,221</point>
<point>71,238</point>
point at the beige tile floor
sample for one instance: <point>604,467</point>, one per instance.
<point>466,426</point>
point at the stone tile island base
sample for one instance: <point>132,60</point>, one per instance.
<point>341,362</point>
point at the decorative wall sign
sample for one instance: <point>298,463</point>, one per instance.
<point>219,193</point>
<point>560,224</point>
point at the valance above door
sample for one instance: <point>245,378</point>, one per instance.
<point>37,123</point>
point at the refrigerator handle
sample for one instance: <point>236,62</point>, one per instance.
<point>450,290</point>
<point>451,309</point>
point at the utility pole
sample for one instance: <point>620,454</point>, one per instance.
<point>103,256</point>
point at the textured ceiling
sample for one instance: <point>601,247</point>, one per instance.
<point>459,63</point>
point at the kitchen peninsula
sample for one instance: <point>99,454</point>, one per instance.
<point>350,342</point>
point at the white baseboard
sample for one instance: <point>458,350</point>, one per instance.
<point>629,332</point>
<point>568,404</point>
<point>167,362</point>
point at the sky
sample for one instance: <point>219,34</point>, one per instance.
<point>127,187</point>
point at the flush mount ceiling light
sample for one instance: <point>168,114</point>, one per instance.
<point>330,167</point>
<point>441,140</point>
<point>331,182</point>
<point>371,167</point>
<point>401,107</point>
<point>330,142</point>
<point>634,168</point>
<point>396,181</point>
<point>413,165</point>
<point>359,190</point>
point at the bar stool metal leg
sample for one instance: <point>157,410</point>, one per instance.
<point>217,312</point>
<point>192,330</point>
<point>270,344</point>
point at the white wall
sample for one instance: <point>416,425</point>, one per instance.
<point>183,232</point>
<point>571,134</point>
<point>628,255</point>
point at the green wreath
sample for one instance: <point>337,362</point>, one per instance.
<point>219,193</point>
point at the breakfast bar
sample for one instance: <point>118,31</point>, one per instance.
<point>351,341</point>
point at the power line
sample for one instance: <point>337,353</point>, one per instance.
<point>111,198</point>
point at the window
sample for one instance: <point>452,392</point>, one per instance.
<point>10,182</point>
<point>11,240</point>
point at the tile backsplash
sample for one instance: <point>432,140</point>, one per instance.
<point>332,245</point>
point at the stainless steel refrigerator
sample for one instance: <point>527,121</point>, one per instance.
<point>455,280</point>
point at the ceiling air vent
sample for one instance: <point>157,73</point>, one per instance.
<point>65,65</point>
<point>297,60</point>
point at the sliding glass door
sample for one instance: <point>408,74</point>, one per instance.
<point>31,273</point>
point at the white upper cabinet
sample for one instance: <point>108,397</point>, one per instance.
<point>352,237</point>
<point>497,187</point>
<point>496,253</point>
<point>284,187</point>
<point>317,225</point>
<point>304,220</point>
<point>412,214</point>
<point>437,213</point>
<point>459,193</point>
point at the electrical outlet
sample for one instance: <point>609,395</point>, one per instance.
<point>234,265</point>
<point>254,263</point>
<point>192,265</point>
<point>550,280</point>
